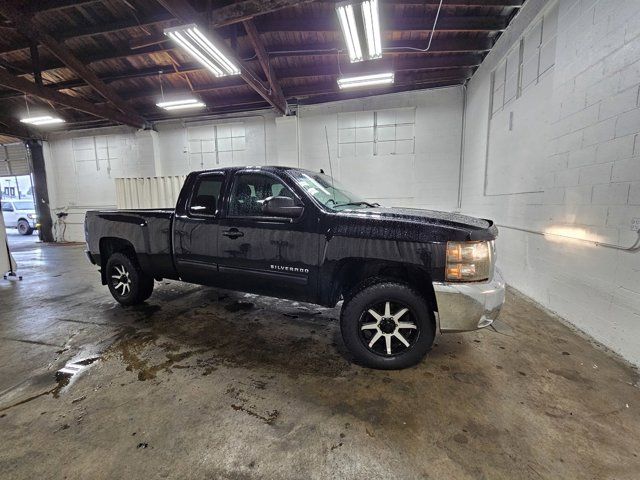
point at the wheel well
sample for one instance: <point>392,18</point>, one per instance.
<point>109,246</point>
<point>352,273</point>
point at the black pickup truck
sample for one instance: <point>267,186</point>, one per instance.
<point>404,275</point>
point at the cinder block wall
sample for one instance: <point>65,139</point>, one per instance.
<point>587,178</point>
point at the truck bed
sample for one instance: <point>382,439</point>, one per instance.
<point>147,230</point>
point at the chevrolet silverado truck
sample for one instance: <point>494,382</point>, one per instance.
<point>404,275</point>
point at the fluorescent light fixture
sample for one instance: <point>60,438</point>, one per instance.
<point>202,49</point>
<point>366,80</point>
<point>372,27</point>
<point>42,120</point>
<point>360,20</point>
<point>181,104</point>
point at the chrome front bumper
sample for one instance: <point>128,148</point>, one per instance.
<point>469,306</point>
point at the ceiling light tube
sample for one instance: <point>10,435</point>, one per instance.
<point>353,30</point>
<point>195,53</point>
<point>342,16</point>
<point>366,80</point>
<point>185,105</point>
<point>180,104</point>
<point>171,103</point>
<point>372,27</point>
<point>228,64</point>
<point>202,49</point>
<point>42,120</point>
<point>350,32</point>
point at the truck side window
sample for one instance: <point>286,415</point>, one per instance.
<point>250,190</point>
<point>7,207</point>
<point>207,193</point>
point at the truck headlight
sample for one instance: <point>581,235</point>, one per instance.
<point>468,261</point>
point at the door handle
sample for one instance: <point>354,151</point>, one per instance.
<point>233,233</point>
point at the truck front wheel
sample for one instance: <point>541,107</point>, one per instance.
<point>24,228</point>
<point>387,325</point>
<point>128,284</point>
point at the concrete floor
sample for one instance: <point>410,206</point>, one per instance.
<point>200,383</point>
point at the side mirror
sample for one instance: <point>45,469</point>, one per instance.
<point>281,207</point>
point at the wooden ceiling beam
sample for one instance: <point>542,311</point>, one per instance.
<point>45,6</point>
<point>407,24</point>
<point>317,95</point>
<point>47,94</point>
<point>402,80</point>
<point>184,11</point>
<point>391,47</point>
<point>33,29</point>
<point>401,76</point>
<point>265,63</point>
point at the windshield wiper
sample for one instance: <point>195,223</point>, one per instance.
<point>370,205</point>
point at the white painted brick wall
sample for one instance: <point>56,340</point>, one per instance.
<point>610,194</point>
<point>634,194</point>
<point>591,181</point>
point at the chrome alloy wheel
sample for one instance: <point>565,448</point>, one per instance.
<point>120,280</point>
<point>391,332</point>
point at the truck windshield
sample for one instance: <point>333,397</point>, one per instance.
<point>329,192</point>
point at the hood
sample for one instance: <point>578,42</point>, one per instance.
<point>437,225</point>
<point>433,217</point>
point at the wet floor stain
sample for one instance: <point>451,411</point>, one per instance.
<point>130,347</point>
<point>216,340</point>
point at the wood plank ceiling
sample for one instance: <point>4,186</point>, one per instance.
<point>100,63</point>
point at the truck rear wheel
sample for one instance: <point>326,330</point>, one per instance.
<point>387,325</point>
<point>128,284</point>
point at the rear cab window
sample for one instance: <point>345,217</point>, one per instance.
<point>205,200</point>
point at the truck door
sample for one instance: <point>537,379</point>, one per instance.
<point>195,232</point>
<point>265,254</point>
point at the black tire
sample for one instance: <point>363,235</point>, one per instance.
<point>123,270</point>
<point>24,228</point>
<point>372,350</point>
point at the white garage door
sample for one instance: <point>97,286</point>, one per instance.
<point>14,160</point>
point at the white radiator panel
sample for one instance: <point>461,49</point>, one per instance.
<point>148,192</point>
